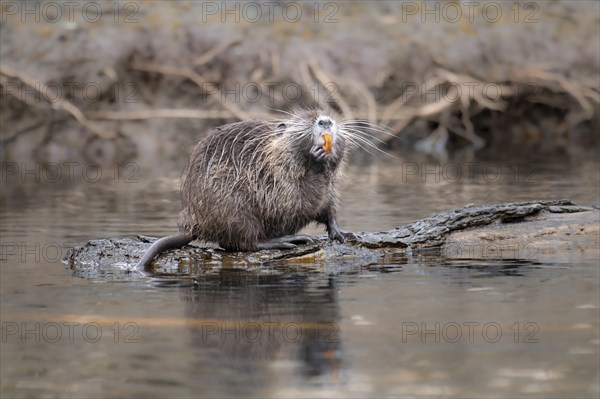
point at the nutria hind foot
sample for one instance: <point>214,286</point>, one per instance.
<point>287,242</point>
<point>291,241</point>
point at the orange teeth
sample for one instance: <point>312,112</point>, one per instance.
<point>328,143</point>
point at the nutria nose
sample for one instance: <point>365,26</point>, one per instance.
<point>325,122</point>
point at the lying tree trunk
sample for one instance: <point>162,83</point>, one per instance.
<point>525,230</point>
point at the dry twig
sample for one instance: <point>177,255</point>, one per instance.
<point>307,81</point>
<point>574,89</point>
<point>58,102</point>
<point>159,113</point>
<point>325,81</point>
<point>214,52</point>
<point>188,73</point>
<point>368,97</point>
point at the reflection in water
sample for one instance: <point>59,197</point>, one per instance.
<point>251,321</point>
<point>474,267</point>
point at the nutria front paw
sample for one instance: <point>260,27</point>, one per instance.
<point>318,153</point>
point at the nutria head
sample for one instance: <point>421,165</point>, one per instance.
<point>305,129</point>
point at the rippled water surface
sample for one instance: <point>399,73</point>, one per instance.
<point>416,326</point>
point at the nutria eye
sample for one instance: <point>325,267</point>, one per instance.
<point>281,126</point>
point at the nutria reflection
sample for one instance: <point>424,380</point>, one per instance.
<point>254,322</point>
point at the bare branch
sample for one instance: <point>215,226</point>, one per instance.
<point>160,113</point>
<point>324,79</point>
<point>57,101</point>
<point>214,52</point>
<point>188,73</point>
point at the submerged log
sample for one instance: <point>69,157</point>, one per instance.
<point>524,230</point>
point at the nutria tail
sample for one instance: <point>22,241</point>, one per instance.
<point>170,242</point>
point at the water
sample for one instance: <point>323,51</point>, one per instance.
<point>420,326</point>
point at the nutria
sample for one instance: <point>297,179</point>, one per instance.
<point>253,185</point>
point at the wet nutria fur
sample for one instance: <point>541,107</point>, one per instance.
<point>252,183</point>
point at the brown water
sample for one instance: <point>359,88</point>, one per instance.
<point>422,326</point>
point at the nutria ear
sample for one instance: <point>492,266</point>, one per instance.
<point>281,126</point>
